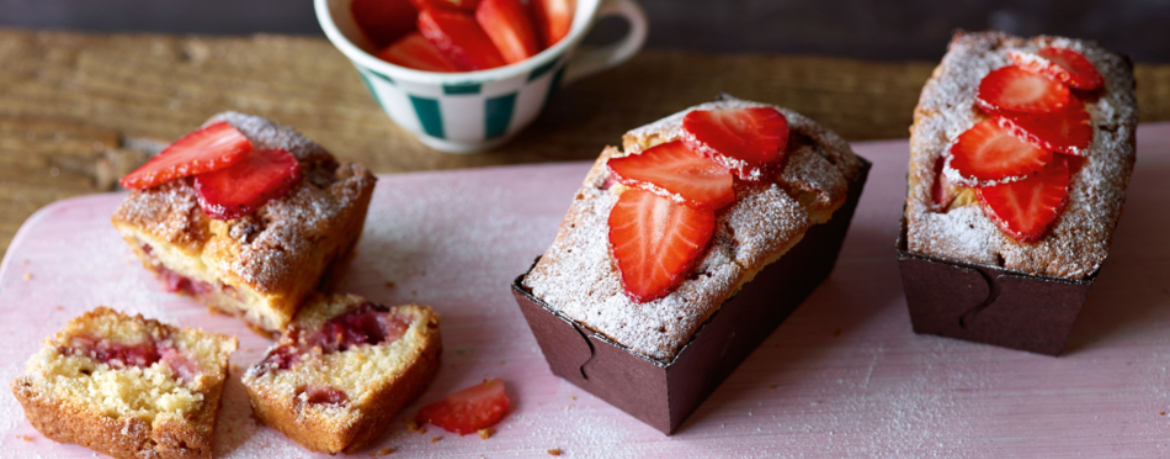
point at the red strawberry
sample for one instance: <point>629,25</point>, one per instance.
<point>1014,89</point>
<point>988,153</point>
<point>466,5</point>
<point>749,141</point>
<point>476,407</point>
<point>554,18</point>
<point>1061,64</point>
<point>1069,131</point>
<point>655,241</point>
<point>210,148</point>
<point>508,25</point>
<point>384,21</point>
<point>414,51</point>
<point>239,190</point>
<point>674,171</point>
<point>460,38</point>
<point>1026,209</point>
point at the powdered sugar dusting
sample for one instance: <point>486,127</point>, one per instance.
<point>577,274</point>
<point>1080,238</point>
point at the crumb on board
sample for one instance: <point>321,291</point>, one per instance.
<point>25,437</point>
<point>414,292</point>
<point>27,276</point>
<point>772,387</point>
<point>60,308</point>
<point>24,261</point>
<point>1161,413</point>
<point>554,452</point>
<point>486,433</point>
<point>412,426</point>
<point>436,439</point>
<point>386,451</point>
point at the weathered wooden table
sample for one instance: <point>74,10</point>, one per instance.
<point>79,110</point>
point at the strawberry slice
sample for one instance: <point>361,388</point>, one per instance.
<point>416,52</point>
<point>476,407</point>
<point>384,21</point>
<point>466,5</point>
<point>210,148</point>
<point>1014,89</point>
<point>236,191</point>
<point>1026,209</point>
<point>988,153</point>
<point>508,25</point>
<point>1069,131</point>
<point>460,38</point>
<point>674,171</point>
<point>554,18</point>
<point>1061,64</point>
<point>749,141</point>
<point>655,241</point>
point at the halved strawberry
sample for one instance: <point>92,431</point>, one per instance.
<point>1026,209</point>
<point>416,52</point>
<point>1068,131</point>
<point>476,407</point>
<point>655,241</point>
<point>749,141</point>
<point>384,21</point>
<point>210,148</point>
<point>1061,64</point>
<point>460,38</point>
<point>236,191</point>
<point>508,25</point>
<point>988,153</point>
<point>1014,89</point>
<point>553,18</point>
<point>674,171</point>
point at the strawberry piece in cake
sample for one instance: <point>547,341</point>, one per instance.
<point>343,368</point>
<point>253,239</point>
<point>126,386</point>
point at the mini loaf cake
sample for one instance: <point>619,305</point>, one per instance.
<point>127,386</point>
<point>1020,153</point>
<point>255,237</point>
<point>770,174</point>
<point>342,369</point>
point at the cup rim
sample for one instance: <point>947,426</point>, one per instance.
<point>365,59</point>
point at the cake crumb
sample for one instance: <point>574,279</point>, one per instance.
<point>486,433</point>
<point>414,292</point>
<point>25,437</point>
<point>390,284</point>
<point>554,452</point>
<point>27,276</point>
<point>838,331</point>
<point>386,451</point>
<point>772,387</point>
<point>1161,413</point>
<point>60,308</point>
<point>412,426</point>
<point>436,439</point>
<point>574,397</point>
<point>24,261</point>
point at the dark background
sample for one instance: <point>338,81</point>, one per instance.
<point>887,30</point>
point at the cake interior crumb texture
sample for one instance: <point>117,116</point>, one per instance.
<point>577,275</point>
<point>1079,240</point>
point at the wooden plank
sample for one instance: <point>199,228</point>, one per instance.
<point>89,104</point>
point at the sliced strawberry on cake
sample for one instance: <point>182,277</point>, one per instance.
<point>127,386</point>
<point>748,141</point>
<point>469,410</point>
<point>1016,89</point>
<point>342,369</point>
<point>1068,131</point>
<point>1061,64</point>
<point>655,241</point>
<point>674,171</point>
<point>988,154</point>
<point>240,189</point>
<point>1026,209</point>
<point>510,28</point>
<point>416,52</point>
<point>208,149</point>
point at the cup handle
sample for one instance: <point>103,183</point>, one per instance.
<point>596,60</point>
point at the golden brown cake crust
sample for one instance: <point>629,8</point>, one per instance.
<point>351,428</point>
<point>277,253</point>
<point>577,276</point>
<point>1079,240</point>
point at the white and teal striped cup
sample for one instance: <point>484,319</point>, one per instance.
<point>473,111</point>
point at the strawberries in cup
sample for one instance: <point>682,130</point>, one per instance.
<point>464,35</point>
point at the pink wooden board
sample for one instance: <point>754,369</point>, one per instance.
<point>844,376</point>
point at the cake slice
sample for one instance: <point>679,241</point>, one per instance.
<point>283,214</point>
<point>126,386</point>
<point>342,369</point>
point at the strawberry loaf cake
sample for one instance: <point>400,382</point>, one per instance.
<point>127,387</point>
<point>245,215</point>
<point>1020,154</point>
<point>666,231</point>
<point>342,369</point>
